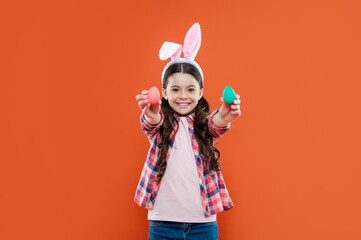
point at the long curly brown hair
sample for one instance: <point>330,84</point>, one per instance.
<point>209,154</point>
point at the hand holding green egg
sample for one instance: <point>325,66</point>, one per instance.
<point>229,95</point>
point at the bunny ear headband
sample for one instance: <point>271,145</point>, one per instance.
<point>192,43</point>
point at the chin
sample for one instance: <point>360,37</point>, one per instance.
<point>185,113</point>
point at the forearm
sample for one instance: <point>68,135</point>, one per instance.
<point>154,120</point>
<point>219,121</point>
<point>150,126</point>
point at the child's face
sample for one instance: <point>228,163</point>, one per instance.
<point>183,92</point>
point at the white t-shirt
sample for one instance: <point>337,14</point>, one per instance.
<point>179,197</point>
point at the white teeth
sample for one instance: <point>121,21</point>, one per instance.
<point>183,104</point>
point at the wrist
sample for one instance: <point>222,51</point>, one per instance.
<point>220,121</point>
<point>153,120</point>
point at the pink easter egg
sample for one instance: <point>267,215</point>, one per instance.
<point>153,95</point>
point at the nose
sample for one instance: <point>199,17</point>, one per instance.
<point>183,95</point>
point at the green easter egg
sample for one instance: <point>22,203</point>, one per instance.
<point>229,95</point>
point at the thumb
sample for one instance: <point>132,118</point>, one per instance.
<point>146,109</point>
<point>156,107</point>
<point>224,105</point>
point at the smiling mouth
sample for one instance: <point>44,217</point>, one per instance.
<point>183,105</point>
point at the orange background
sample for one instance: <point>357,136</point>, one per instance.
<point>71,148</point>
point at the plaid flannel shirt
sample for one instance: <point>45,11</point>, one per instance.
<point>214,193</point>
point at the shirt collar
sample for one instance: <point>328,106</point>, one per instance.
<point>190,117</point>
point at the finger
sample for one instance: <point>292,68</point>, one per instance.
<point>236,112</point>
<point>145,109</point>
<point>143,103</point>
<point>155,108</point>
<point>223,106</point>
<point>223,103</point>
<point>237,102</point>
<point>140,97</point>
<point>145,92</point>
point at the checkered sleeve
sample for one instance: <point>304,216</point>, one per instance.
<point>217,132</point>
<point>148,128</point>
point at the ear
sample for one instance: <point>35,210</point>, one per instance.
<point>200,94</point>
<point>192,41</point>
<point>164,93</point>
<point>170,50</point>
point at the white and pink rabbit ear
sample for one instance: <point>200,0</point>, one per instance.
<point>170,50</point>
<point>192,42</point>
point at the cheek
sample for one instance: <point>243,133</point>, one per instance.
<point>171,94</point>
<point>172,97</point>
<point>198,95</point>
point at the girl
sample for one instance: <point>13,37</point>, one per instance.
<point>181,184</point>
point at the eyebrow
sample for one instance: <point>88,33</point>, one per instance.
<point>187,86</point>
